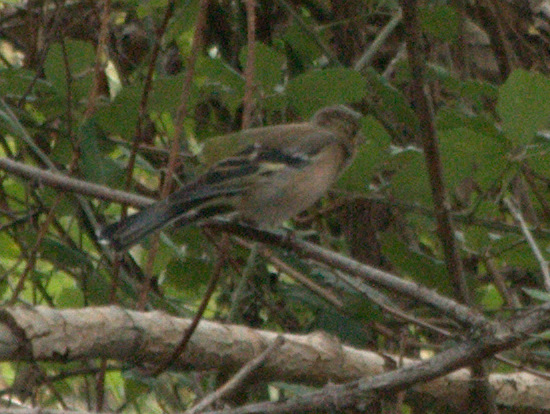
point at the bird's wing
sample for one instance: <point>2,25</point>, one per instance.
<point>265,157</point>
<point>299,137</point>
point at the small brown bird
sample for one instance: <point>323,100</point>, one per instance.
<point>273,174</point>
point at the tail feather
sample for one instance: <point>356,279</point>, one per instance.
<point>183,207</point>
<point>130,230</point>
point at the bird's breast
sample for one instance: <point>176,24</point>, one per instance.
<point>287,192</point>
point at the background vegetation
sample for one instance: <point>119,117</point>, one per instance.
<point>450,191</point>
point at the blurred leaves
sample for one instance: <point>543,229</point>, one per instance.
<point>491,136</point>
<point>523,105</point>
<point>315,89</point>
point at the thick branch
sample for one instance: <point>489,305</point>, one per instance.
<point>44,334</point>
<point>493,339</point>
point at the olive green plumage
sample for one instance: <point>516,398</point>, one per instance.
<point>269,175</point>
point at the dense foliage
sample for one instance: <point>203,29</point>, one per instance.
<point>95,91</point>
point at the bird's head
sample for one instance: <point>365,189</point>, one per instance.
<point>340,119</point>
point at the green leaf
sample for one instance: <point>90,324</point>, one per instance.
<point>188,275</point>
<point>15,82</point>
<point>490,298</point>
<point>120,116</point>
<point>216,78</point>
<point>468,154</point>
<point>63,256</point>
<point>70,297</point>
<point>522,257</point>
<point>410,180</point>
<point>452,118</point>
<point>523,105</point>
<point>538,158</point>
<point>93,164</point>
<point>440,20</point>
<point>302,50</point>
<point>369,156</point>
<point>319,88</point>
<point>8,248</point>
<point>80,56</point>
<point>350,330</point>
<point>166,94</point>
<point>389,102</point>
<point>268,66</point>
<point>476,91</point>
<point>477,238</point>
<point>422,268</point>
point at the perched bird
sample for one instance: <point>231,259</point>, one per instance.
<point>274,173</point>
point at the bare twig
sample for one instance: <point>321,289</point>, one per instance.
<point>100,58</point>
<point>461,313</point>
<point>147,88</point>
<point>66,183</point>
<point>378,42</point>
<point>181,113</point>
<point>212,283</point>
<point>543,263</point>
<point>238,378</point>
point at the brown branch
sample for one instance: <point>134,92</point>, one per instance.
<point>493,338</point>
<point>363,273</point>
<point>181,113</point>
<point>231,385</point>
<point>46,334</point>
<point>211,287</point>
<point>100,58</point>
<point>66,183</point>
<point>481,392</point>
<point>147,88</point>
<point>250,88</point>
<point>423,111</point>
<point>173,156</point>
<point>451,308</point>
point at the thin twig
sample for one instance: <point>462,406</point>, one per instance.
<point>137,139</point>
<point>249,72</point>
<point>378,42</point>
<point>543,263</point>
<point>181,113</point>
<point>147,88</point>
<point>212,283</point>
<point>100,58</point>
<point>239,292</point>
<point>66,183</point>
<point>365,273</point>
<point>376,297</point>
<point>238,378</point>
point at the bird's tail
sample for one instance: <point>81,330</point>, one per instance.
<point>130,230</point>
<point>182,208</point>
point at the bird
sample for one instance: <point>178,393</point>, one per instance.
<point>272,174</point>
